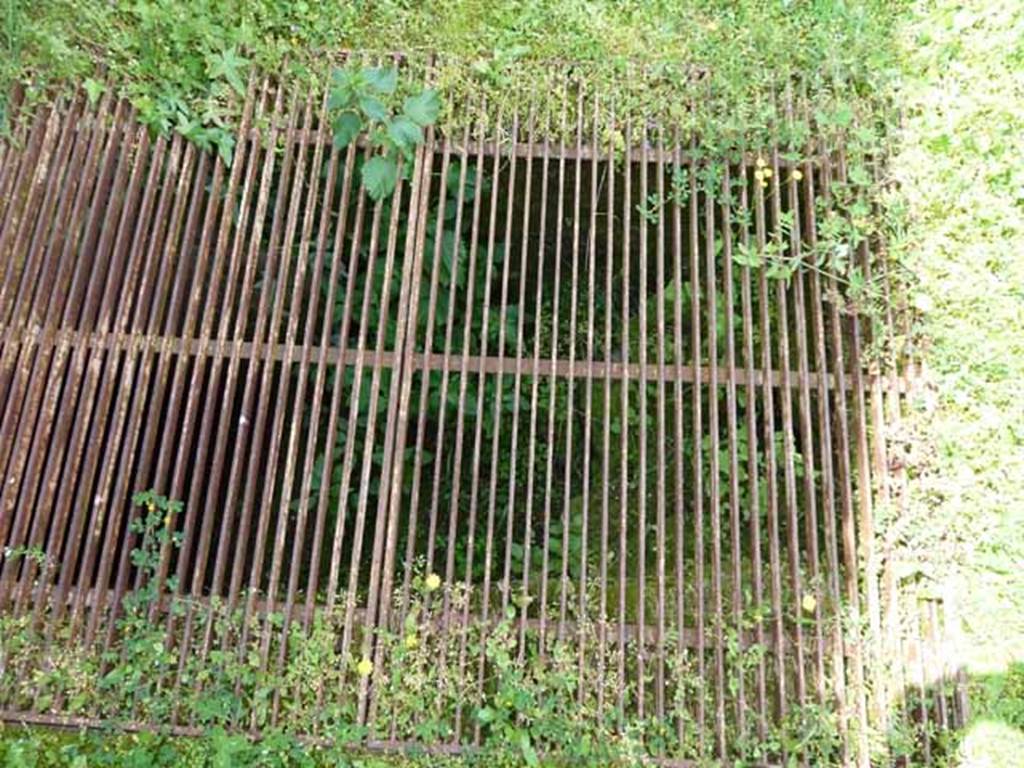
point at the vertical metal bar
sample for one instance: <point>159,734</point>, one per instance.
<point>250,425</point>
<point>154,298</point>
<point>281,278</point>
<point>212,308</point>
<point>753,468</point>
<point>455,503</point>
<point>123,272</point>
<point>333,575</point>
<point>428,342</point>
<point>446,366</point>
<point>294,310</point>
<point>135,314</point>
<point>241,274</point>
<point>553,383</point>
<point>368,451</point>
<point>606,452</point>
<point>735,551</point>
<point>714,479</point>
<point>824,438</point>
<point>662,436</point>
<point>115,315</point>
<point>807,434</point>
<point>528,527</point>
<point>322,364</point>
<point>510,194</point>
<point>43,181</point>
<point>851,561</point>
<point>641,570</point>
<point>788,447</point>
<point>407,318</point>
<point>22,368</point>
<point>771,472</point>
<point>568,460</point>
<point>389,504</point>
<point>506,580</point>
<point>346,478</point>
<point>23,159</point>
<point>587,448</point>
<point>480,405</point>
<point>49,408</point>
<point>61,416</point>
<point>624,427</point>
<point>863,467</point>
<point>679,511</point>
<point>697,493</point>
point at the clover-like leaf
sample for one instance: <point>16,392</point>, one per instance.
<point>381,79</point>
<point>346,127</point>
<point>424,108</point>
<point>380,174</point>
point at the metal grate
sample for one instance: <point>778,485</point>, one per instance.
<point>542,369</point>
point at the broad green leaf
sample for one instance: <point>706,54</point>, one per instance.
<point>229,65</point>
<point>340,98</point>
<point>373,108</point>
<point>529,753</point>
<point>346,127</point>
<point>405,133</point>
<point>379,176</point>
<point>424,108</point>
<point>381,79</point>
<point>93,90</point>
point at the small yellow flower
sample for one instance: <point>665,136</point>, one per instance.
<point>760,162</point>
<point>767,173</point>
<point>167,522</point>
<point>150,506</point>
<point>797,175</point>
<point>412,642</point>
<point>364,667</point>
<point>764,184</point>
<point>809,603</point>
<point>759,174</point>
<point>433,582</point>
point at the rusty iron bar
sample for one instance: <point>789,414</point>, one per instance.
<point>267,343</point>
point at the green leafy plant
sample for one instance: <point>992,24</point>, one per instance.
<point>359,101</point>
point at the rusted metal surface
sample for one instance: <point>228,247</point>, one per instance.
<point>540,369</point>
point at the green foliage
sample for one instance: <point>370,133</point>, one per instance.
<point>358,103</point>
<point>532,704</point>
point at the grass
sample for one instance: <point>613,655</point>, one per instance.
<point>959,170</point>
<point>955,70</point>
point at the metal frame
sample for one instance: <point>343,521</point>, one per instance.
<point>162,326</point>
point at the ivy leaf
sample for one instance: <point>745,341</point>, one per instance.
<point>424,108</point>
<point>381,79</point>
<point>229,65</point>
<point>346,127</point>
<point>380,174</point>
<point>373,108</point>
<point>405,133</point>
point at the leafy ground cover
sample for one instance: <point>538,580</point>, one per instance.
<point>954,69</point>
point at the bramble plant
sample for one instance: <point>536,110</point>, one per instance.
<point>359,103</point>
